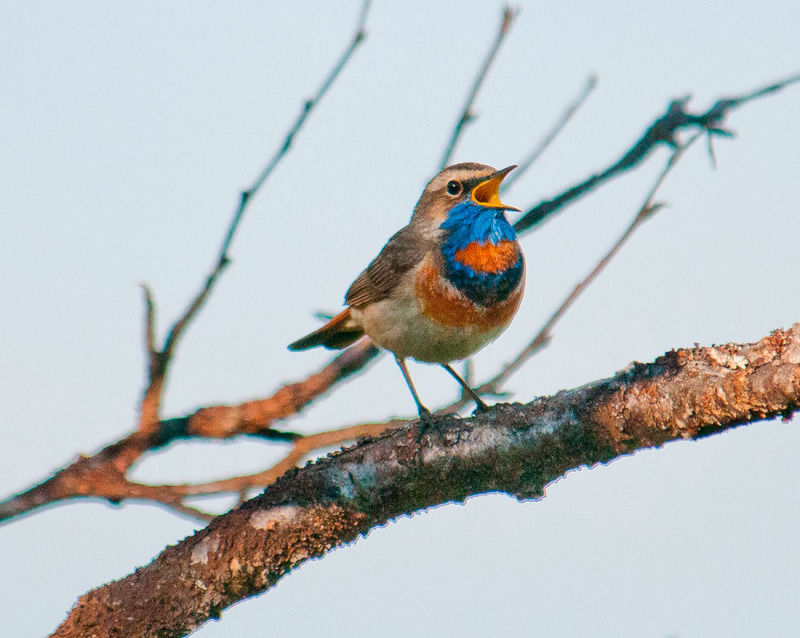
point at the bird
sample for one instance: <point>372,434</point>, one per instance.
<point>443,286</point>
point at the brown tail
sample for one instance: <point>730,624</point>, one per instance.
<point>338,333</point>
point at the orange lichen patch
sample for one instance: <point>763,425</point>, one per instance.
<point>488,257</point>
<point>445,305</point>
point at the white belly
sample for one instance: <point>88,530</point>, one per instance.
<point>398,325</point>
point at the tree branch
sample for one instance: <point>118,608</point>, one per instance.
<point>103,474</point>
<point>516,449</point>
<point>551,135</point>
<point>159,360</point>
<point>467,116</point>
<point>543,337</point>
<point>663,130</point>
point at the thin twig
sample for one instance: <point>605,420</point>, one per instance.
<point>149,405</point>
<point>149,320</point>
<point>358,38</point>
<point>160,360</point>
<point>663,130</point>
<point>97,476</point>
<point>248,194</point>
<point>467,115</point>
<point>302,447</point>
<point>104,473</point>
<point>559,126</point>
<point>188,511</point>
<point>647,209</point>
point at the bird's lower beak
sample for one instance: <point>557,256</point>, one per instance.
<point>487,192</point>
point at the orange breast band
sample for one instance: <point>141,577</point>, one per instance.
<point>488,257</point>
<point>442,303</point>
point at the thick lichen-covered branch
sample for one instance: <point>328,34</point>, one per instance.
<point>517,449</point>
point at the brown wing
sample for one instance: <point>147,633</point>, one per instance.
<point>400,254</point>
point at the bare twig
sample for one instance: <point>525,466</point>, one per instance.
<point>149,406</point>
<point>98,477</point>
<point>559,126</point>
<point>663,130</point>
<point>248,194</point>
<point>358,38</point>
<point>189,512</point>
<point>648,208</point>
<point>301,448</point>
<point>160,360</point>
<point>149,320</point>
<point>516,449</point>
<point>104,473</point>
<point>466,112</point>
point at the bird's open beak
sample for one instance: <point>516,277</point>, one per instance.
<point>487,192</point>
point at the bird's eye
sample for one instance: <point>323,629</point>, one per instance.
<point>453,187</point>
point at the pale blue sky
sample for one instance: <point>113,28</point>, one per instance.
<point>127,131</point>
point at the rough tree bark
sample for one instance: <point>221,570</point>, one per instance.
<point>517,449</point>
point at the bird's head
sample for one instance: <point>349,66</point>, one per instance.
<point>469,188</point>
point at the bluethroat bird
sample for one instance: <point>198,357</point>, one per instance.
<point>442,287</point>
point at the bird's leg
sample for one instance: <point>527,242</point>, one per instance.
<point>424,413</point>
<point>481,406</point>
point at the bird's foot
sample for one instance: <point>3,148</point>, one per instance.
<point>480,407</point>
<point>425,420</point>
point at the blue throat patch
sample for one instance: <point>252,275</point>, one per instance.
<point>470,223</point>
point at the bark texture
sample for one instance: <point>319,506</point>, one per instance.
<point>517,449</point>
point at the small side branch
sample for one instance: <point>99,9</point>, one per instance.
<point>467,116</point>
<point>159,360</point>
<point>358,38</point>
<point>104,474</point>
<point>149,407</point>
<point>663,130</point>
<point>542,338</point>
<point>247,195</point>
<point>571,109</point>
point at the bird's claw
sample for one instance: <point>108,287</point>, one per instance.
<point>480,407</point>
<point>425,421</point>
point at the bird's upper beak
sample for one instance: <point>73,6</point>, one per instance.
<point>487,192</point>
